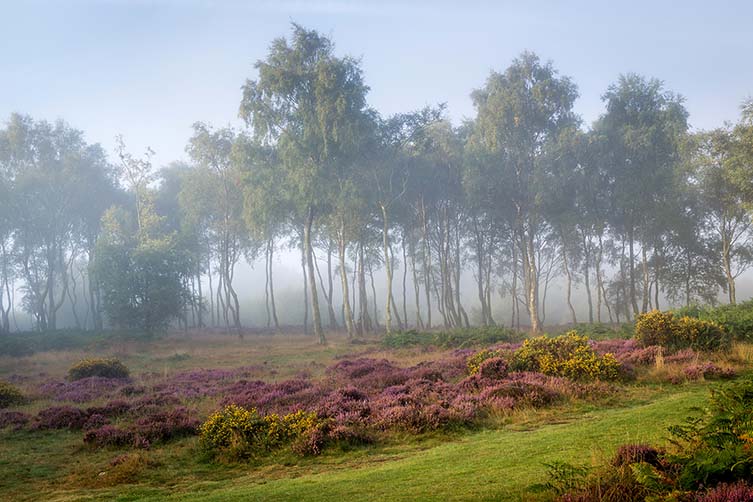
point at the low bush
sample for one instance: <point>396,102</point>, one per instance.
<point>10,395</point>
<point>60,417</point>
<point>454,338</point>
<point>104,368</point>
<point>240,433</point>
<point>476,360</point>
<point>676,333</point>
<point>15,419</point>
<point>568,355</point>
<point>737,319</point>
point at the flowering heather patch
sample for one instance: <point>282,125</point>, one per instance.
<point>682,356</point>
<point>707,370</point>
<point>346,406</point>
<point>14,419</point>
<point>196,384</point>
<point>283,397</point>
<point>60,417</point>
<point>109,435</point>
<point>166,425</point>
<point>95,421</point>
<point>82,390</point>
<point>728,492</point>
<point>371,374</point>
<point>156,427</point>
<point>112,409</point>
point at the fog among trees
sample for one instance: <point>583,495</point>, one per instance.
<point>391,222</point>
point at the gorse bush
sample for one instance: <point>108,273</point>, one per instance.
<point>240,433</point>
<point>664,329</point>
<point>568,355</point>
<point>454,338</point>
<point>10,395</point>
<point>105,368</point>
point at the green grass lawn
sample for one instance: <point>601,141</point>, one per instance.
<point>499,464</point>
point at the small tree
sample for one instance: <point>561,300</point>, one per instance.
<point>141,270</point>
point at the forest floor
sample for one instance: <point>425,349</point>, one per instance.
<point>502,460</point>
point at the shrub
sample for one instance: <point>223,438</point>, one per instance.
<point>165,425</point>
<point>105,368</point>
<point>568,355</point>
<point>109,435</point>
<point>82,390</point>
<point>10,395</point>
<point>663,328</point>
<point>737,320</point>
<point>655,328</point>
<point>241,433</point>
<point>493,368</point>
<point>60,417</point>
<point>15,419</point>
<point>701,335</point>
<point>475,361</point>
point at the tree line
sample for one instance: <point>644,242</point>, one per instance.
<point>636,208</point>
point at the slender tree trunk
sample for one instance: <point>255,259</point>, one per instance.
<point>318,331</point>
<point>347,313</point>
<point>569,279</point>
<point>388,268</point>
<point>305,290</point>
<point>587,276</point>
<point>646,280</point>
<point>405,278</point>
<point>373,296</point>
<point>266,286</point>
<point>273,305</point>
<point>426,264</point>
<point>631,271</point>
<point>416,286</point>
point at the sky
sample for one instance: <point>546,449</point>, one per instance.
<point>150,69</point>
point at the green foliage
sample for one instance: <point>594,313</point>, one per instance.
<point>662,328</point>
<point>106,368</point>
<point>454,338</point>
<point>10,395</point>
<point>600,331</point>
<point>238,433</point>
<point>737,320</point>
<point>717,447</point>
<point>568,355</point>
<point>562,478</point>
<point>142,282</point>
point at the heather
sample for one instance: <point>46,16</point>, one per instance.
<point>350,402</point>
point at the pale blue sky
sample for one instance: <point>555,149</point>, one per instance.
<point>149,69</point>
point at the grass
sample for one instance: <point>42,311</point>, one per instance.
<point>499,464</point>
<point>500,460</point>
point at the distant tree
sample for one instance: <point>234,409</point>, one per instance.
<point>643,128</point>
<point>217,200</point>
<point>520,115</point>
<point>722,199</point>
<point>140,267</point>
<point>309,103</point>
